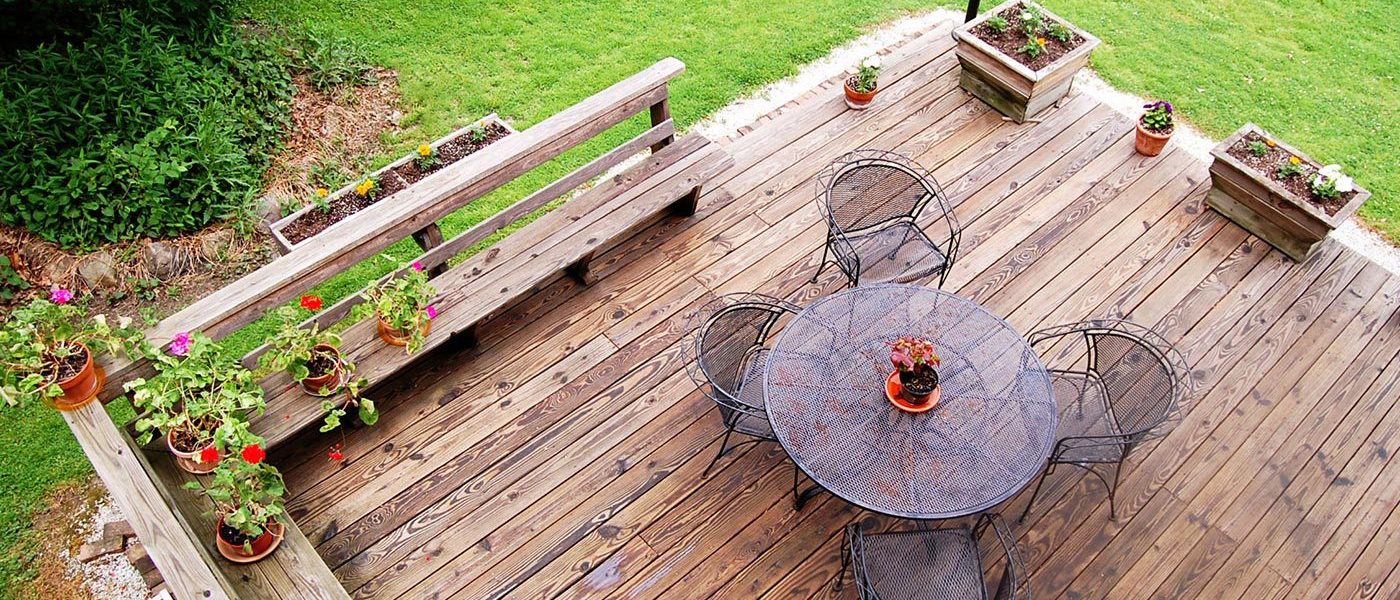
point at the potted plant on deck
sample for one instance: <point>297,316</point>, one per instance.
<point>913,386</point>
<point>1020,58</point>
<point>311,356</point>
<point>1154,128</point>
<point>197,389</point>
<point>861,87</point>
<point>247,494</point>
<point>402,306</point>
<point>1278,193</point>
<point>48,348</point>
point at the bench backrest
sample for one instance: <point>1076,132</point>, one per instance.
<point>149,495</point>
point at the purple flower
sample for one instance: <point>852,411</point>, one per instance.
<point>1160,104</point>
<point>417,266</point>
<point>180,344</point>
<point>432,311</point>
<point>60,296</point>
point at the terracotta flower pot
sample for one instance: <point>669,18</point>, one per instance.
<point>1150,143</point>
<point>859,100</point>
<point>190,462</point>
<point>81,388</point>
<point>258,549</point>
<point>329,381</point>
<point>398,337</point>
<point>901,399</point>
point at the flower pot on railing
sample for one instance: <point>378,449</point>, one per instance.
<point>237,547</point>
<point>81,387</point>
<point>331,207</point>
<point>1278,193</point>
<point>193,451</point>
<point>326,369</point>
<point>1020,58</point>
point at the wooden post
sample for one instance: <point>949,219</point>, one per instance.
<point>686,206</point>
<point>428,238</point>
<point>660,113</point>
<point>580,270</point>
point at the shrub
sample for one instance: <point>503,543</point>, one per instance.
<point>144,127</point>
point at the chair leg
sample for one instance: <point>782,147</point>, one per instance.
<point>796,496</point>
<point>845,562</point>
<point>826,248</point>
<point>1039,482</point>
<point>1113,491</point>
<point>722,447</point>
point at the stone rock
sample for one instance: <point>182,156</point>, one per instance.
<point>269,209</point>
<point>215,244</point>
<point>141,559</point>
<point>396,117</point>
<point>99,270</point>
<point>118,529</point>
<point>162,260</point>
<point>58,269</point>
<point>94,550</point>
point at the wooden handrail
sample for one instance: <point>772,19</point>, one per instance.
<point>380,225</point>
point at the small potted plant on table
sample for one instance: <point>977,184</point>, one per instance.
<point>311,356</point>
<point>1154,128</point>
<point>48,347</point>
<point>197,389</point>
<point>1021,58</point>
<point>403,308</point>
<point>247,494</point>
<point>862,87</point>
<point>913,386</point>
<point>1278,193</point>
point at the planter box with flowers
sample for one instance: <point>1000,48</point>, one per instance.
<point>1278,193</point>
<point>331,207</point>
<point>1020,58</point>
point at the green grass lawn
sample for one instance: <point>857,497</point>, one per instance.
<point>1320,74</point>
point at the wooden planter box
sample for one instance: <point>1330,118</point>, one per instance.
<point>1259,204</point>
<point>1009,86</point>
<point>284,245</point>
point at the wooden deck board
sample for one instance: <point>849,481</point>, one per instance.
<point>562,457</point>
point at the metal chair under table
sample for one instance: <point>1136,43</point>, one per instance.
<point>939,564</point>
<point>725,357</point>
<point>872,201</point>
<point>1132,387</point>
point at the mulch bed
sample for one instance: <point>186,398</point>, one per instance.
<point>1011,41</point>
<point>315,221</point>
<point>1268,165</point>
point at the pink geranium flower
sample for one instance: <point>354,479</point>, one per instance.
<point>417,266</point>
<point>180,344</point>
<point>60,296</point>
<point>432,311</point>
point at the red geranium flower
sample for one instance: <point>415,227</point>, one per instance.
<point>209,455</point>
<point>254,454</point>
<point>335,454</point>
<point>311,302</point>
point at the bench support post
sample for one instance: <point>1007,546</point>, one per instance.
<point>660,112</point>
<point>688,203</point>
<point>466,338</point>
<point>428,238</point>
<point>581,272</point>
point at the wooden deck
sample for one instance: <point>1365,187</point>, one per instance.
<point>563,457</point>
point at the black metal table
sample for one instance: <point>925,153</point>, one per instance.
<point>987,438</point>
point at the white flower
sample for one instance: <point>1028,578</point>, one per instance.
<point>123,322</point>
<point>1345,184</point>
<point>1318,180</point>
<point>100,319</point>
<point>872,62</point>
<point>1330,171</point>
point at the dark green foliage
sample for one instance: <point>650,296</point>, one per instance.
<point>330,63</point>
<point>145,127</point>
<point>10,281</point>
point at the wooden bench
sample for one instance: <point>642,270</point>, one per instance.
<point>175,524</point>
<point>561,242</point>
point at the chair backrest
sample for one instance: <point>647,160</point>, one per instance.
<point>727,333</point>
<point>1144,377</point>
<point>870,189</point>
<point>1013,584</point>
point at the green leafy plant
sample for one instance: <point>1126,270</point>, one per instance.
<point>11,283</point>
<point>997,23</point>
<point>1292,168</point>
<point>1060,31</point>
<point>427,156</point>
<point>247,491</point>
<point>294,349</point>
<point>1032,20</point>
<point>1258,148</point>
<point>1157,116</point>
<point>1034,47</point>
<point>1329,182</point>
<point>364,407</point>
<point>38,339</point>
<point>367,187</point>
<point>329,63</point>
<point>322,199</point>
<point>404,304</point>
<point>477,132</point>
<point>198,387</point>
<point>866,79</point>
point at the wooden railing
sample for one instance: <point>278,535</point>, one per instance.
<point>151,498</point>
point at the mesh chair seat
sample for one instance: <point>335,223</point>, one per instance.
<point>751,394</point>
<point>900,253</point>
<point>919,565</point>
<point>1084,412</point>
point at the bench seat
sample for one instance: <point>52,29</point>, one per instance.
<point>561,242</point>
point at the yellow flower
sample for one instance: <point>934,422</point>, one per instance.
<point>1293,160</point>
<point>1270,143</point>
<point>1040,41</point>
<point>322,192</point>
<point>425,150</point>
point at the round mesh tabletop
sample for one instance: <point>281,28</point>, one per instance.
<point>987,438</point>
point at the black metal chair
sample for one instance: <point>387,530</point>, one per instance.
<point>1132,387</point>
<point>725,357</point>
<point>937,564</point>
<point>872,201</point>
